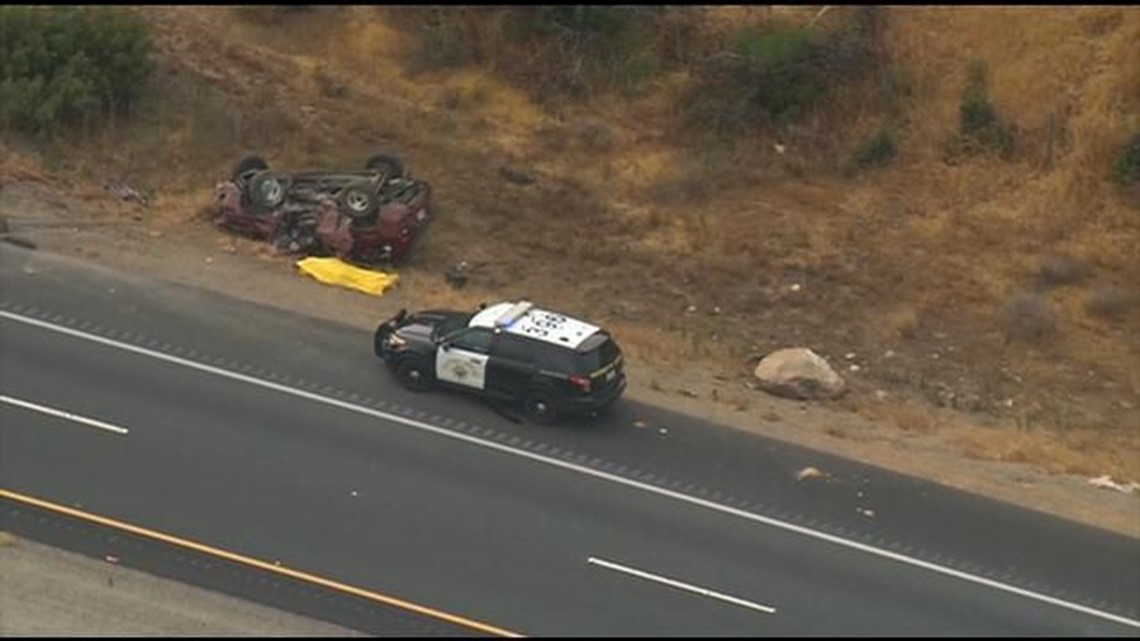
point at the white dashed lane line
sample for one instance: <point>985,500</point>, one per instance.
<point>673,583</point>
<point>51,411</point>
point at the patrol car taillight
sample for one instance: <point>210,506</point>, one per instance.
<point>581,382</point>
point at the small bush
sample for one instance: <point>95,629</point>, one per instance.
<point>1128,165</point>
<point>61,65</point>
<point>877,150</point>
<point>775,73</point>
<point>446,45</point>
<point>785,81</point>
<point>1028,318</point>
<point>979,125</point>
<point>556,52</point>
<point>1061,270</point>
<point>1110,302</point>
<point>767,73</point>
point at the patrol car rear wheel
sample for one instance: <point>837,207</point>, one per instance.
<point>538,405</point>
<point>413,375</point>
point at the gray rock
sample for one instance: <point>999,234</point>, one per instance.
<point>799,373</point>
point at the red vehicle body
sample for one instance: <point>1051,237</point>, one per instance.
<point>369,217</point>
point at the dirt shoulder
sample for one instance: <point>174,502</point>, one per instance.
<point>195,254</point>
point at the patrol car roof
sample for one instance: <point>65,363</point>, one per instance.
<point>524,319</point>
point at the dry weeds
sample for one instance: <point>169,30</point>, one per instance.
<point>1081,452</point>
<point>1110,302</point>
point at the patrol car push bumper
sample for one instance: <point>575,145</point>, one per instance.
<point>387,328</point>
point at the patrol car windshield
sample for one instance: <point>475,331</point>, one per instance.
<point>451,323</point>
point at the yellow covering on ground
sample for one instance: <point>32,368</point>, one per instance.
<point>334,271</point>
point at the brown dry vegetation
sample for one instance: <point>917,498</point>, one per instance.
<point>634,217</point>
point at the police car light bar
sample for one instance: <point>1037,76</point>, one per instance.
<point>515,312</point>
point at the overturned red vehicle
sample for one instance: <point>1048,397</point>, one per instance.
<point>367,217</point>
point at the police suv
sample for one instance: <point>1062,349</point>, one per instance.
<point>512,351</point>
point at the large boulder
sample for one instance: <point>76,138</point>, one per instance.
<point>799,373</point>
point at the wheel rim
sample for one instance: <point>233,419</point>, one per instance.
<point>271,191</point>
<point>539,407</point>
<point>414,376</point>
<point>356,201</point>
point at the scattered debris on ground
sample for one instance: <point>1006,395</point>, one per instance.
<point>1107,483</point>
<point>809,473</point>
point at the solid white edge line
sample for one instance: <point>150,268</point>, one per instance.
<point>122,431</point>
<point>823,536</point>
<point>680,585</point>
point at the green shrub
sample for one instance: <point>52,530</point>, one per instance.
<point>776,72</point>
<point>780,66</point>
<point>555,52</point>
<point>61,65</point>
<point>978,122</point>
<point>1128,165</point>
<point>577,51</point>
<point>877,150</point>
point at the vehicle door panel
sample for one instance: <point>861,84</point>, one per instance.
<point>462,359</point>
<point>461,367</point>
<point>510,369</point>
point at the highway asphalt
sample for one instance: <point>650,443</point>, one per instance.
<point>279,437</point>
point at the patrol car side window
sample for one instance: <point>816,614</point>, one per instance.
<point>513,348</point>
<point>476,340</point>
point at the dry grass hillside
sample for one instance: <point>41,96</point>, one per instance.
<point>1002,289</point>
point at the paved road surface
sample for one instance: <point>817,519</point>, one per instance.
<point>435,499</point>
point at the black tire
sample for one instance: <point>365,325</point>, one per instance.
<point>266,190</point>
<point>387,163</point>
<point>359,201</point>
<point>247,165</point>
<point>414,374</point>
<point>539,406</point>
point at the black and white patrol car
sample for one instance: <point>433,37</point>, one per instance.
<point>512,351</point>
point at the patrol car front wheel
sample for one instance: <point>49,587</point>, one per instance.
<point>413,375</point>
<point>538,405</point>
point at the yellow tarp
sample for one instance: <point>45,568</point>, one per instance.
<point>334,271</point>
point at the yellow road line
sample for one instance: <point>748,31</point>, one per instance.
<point>261,565</point>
